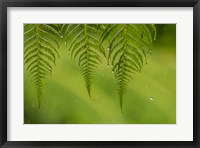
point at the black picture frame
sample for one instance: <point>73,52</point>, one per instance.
<point>4,4</point>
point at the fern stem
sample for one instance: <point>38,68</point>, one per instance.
<point>87,76</point>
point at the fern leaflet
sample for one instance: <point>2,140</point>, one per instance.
<point>128,47</point>
<point>84,46</point>
<point>40,53</point>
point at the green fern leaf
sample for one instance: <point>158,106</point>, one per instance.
<point>128,47</point>
<point>40,53</point>
<point>82,40</point>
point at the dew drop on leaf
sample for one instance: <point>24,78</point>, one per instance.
<point>108,48</point>
<point>150,51</point>
<point>151,98</point>
<point>61,36</point>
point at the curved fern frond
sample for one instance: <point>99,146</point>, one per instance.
<point>128,47</point>
<point>40,53</point>
<point>82,40</point>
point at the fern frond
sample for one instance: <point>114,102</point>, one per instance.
<point>128,47</point>
<point>40,53</point>
<point>84,46</point>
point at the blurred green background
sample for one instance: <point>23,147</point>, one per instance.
<point>149,99</point>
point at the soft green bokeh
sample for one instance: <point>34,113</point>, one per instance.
<point>149,99</point>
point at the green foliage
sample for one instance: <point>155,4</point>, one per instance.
<point>125,46</point>
<point>128,46</point>
<point>40,53</point>
<point>84,46</point>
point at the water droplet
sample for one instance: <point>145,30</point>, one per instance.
<point>151,98</point>
<point>150,51</point>
<point>61,36</point>
<point>108,48</point>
